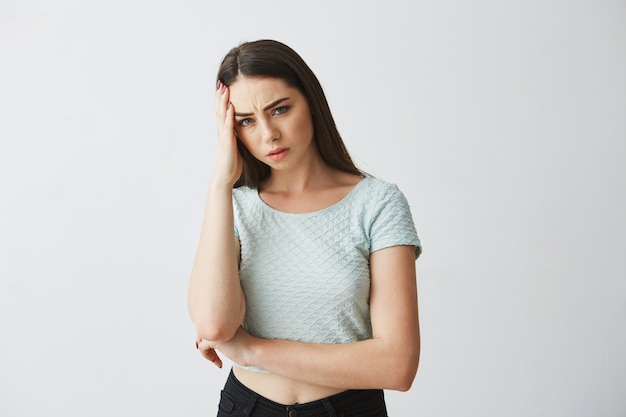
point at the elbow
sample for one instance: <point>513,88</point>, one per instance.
<point>215,325</point>
<point>403,380</point>
<point>403,374</point>
<point>404,384</point>
<point>215,329</point>
<point>215,332</point>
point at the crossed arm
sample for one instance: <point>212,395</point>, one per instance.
<point>389,360</point>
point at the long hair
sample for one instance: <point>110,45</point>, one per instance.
<point>269,58</point>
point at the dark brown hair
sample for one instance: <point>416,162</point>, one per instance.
<point>269,58</point>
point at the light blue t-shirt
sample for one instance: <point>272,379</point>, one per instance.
<point>306,276</point>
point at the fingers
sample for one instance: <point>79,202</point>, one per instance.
<point>229,164</point>
<point>222,101</point>
<point>212,356</point>
<point>208,352</point>
<point>224,111</point>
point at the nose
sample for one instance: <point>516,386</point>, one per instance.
<point>269,132</point>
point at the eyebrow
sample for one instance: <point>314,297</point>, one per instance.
<point>269,106</point>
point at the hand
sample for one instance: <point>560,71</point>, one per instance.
<point>237,349</point>
<point>207,350</point>
<point>229,164</point>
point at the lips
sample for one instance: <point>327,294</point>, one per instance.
<point>278,154</point>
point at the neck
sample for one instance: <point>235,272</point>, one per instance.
<point>313,174</point>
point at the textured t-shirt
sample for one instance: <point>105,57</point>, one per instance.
<point>306,276</point>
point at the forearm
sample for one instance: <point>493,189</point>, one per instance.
<point>389,360</point>
<point>369,364</point>
<point>216,301</point>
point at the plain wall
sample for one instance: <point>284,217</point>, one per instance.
<point>504,123</point>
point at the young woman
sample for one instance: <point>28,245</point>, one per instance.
<point>305,270</point>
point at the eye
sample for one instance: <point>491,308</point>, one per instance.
<point>244,122</point>
<point>281,110</point>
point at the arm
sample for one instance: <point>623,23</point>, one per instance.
<point>389,360</point>
<point>216,301</point>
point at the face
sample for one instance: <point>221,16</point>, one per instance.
<point>273,121</point>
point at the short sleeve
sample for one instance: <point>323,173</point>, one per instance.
<point>392,222</point>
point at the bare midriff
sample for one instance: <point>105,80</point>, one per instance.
<point>283,390</point>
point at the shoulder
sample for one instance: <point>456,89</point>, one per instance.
<point>244,198</point>
<point>243,192</point>
<point>381,199</point>
<point>390,218</point>
<point>376,190</point>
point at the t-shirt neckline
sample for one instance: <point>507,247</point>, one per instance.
<point>339,203</point>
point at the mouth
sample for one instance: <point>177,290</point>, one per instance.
<point>278,154</point>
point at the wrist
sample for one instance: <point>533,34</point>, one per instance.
<point>220,185</point>
<point>254,352</point>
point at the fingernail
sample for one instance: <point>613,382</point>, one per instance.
<point>228,107</point>
<point>217,86</point>
<point>196,345</point>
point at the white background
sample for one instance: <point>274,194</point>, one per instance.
<point>504,122</point>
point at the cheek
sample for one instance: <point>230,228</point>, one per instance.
<point>304,124</point>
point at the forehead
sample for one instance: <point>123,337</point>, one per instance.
<point>250,93</point>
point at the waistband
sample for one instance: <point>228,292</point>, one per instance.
<point>326,406</point>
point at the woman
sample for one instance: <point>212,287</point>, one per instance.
<point>305,270</point>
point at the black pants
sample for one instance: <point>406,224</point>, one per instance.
<point>237,400</point>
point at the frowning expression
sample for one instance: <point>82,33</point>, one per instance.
<point>272,120</point>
